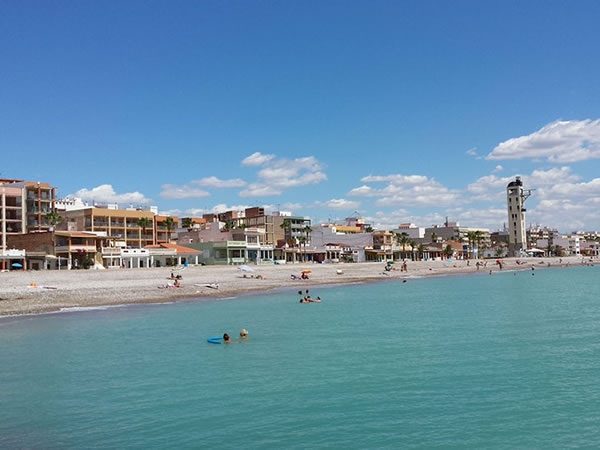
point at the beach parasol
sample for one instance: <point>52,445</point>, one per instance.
<point>245,268</point>
<point>306,271</point>
<point>17,265</point>
<point>390,261</point>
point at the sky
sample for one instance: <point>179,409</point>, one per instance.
<point>396,111</point>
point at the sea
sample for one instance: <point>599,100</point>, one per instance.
<point>509,360</point>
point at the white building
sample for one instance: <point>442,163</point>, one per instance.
<point>515,200</point>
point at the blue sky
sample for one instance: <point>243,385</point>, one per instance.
<point>403,111</point>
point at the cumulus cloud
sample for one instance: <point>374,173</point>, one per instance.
<point>497,169</point>
<point>339,203</point>
<point>257,159</point>
<point>411,190</point>
<point>175,191</point>
<point>170,212</point>
<point>105,193</point>
<point>493,188</point>
<point>218,183</point>
<point>472,151</point>
<point>280,174</point>
<point>560,141</point>
<point>566,215</point>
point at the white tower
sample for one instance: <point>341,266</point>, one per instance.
<point>515,199</point>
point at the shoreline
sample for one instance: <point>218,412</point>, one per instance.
<point>57,290</point>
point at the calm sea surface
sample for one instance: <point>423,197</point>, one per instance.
<point>503,361</point>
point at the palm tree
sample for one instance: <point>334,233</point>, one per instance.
<point>187,223</point>
<point>412,244</point>
<point>169,224</point>
<point>471,237</point>
<point>307,230</point>
<point>403,240</point>
<point>53,217</point>
<point>286,225</point>
<point>448,252</point>
<point>143,223</point>
<point>499,251</point>
<point>302,240</point>
<point>421,250</point>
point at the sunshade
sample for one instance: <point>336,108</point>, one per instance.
<point>245,268</point>
<point>306,271</point>
<point>17,265</point>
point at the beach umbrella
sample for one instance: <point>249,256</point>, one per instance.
<point>17,265</point>
<point>390,262</point>
<point>306,271</point>
<point>245,268</point>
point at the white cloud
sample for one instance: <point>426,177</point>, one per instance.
<point>396,179</point>
<point>105,193</point>
<point>181,191</point>
<point>574,191</point>
<point>170,212</point>
<point>497,169</point>
<point>257,159</point>
<point>472,151</point>
<point>281,174</point>
<point>559,141</point>
<point>339,203</point>
<point>566,215</point>
<point>218,183</point>
<point>411,190</point>
<point>493,188</point>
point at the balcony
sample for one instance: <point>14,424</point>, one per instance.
<point>76,248</point>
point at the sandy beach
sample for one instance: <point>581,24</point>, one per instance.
<point>45,291</point>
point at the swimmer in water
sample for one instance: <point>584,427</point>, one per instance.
<point>243,333</point>
<point>226,339</point>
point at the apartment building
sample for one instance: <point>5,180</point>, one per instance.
<point>123,227</point>
<point>23,206</point>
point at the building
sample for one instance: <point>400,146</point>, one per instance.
<point>23,207</point>
<point>411,230</point>
<point>515,200</point>
<point>60,249</point>
<point>122,226</point>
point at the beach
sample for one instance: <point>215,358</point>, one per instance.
<point>32,292</point>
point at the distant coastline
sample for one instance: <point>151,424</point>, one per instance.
<point>36,292</point>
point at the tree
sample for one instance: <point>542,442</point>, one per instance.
<point>434,237</point>
<point>286,226</point>
<point>499,251</point>
<point>369,229</point>
<point>413,245</point>
<point>187,223</point>
<point>403,240</point>
<point>53,217</point>
<point>169,224</point>
<point>302,241</point>
<point>448,252</point>
<point>421,250</point>
<point>471,237</point>
<point>143,223</point>
<point>307,230</point>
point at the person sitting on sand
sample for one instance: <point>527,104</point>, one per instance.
<point>176,283</point>
<point>226,338</point>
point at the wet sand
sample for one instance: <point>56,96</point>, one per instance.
<point>55,290</point>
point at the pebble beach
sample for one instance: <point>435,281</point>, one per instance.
<point>33,292</point>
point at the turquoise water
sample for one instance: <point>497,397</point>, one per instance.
<point>504,361</point>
